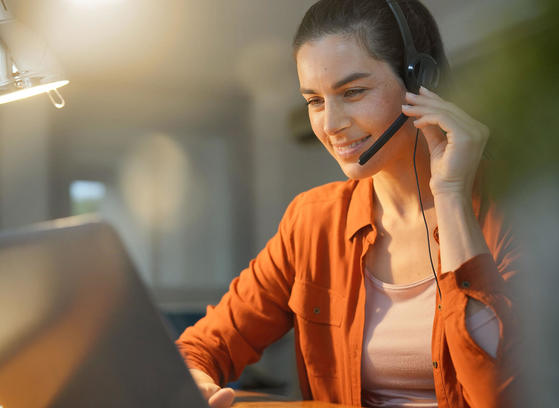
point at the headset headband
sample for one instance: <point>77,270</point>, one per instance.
<point>409,45</point>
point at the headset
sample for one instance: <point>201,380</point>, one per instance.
<point>420,69</point>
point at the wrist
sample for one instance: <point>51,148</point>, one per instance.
<point>200,376</point>
<point>451,189</point>
<point>453,200</point>
<point>460,235</point>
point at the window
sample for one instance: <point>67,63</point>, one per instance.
<point>86,196</point>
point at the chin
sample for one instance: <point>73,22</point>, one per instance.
<point>355,171</point>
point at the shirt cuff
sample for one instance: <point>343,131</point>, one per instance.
<point>478,278</point>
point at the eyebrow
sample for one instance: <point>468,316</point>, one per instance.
<point>341,82</point>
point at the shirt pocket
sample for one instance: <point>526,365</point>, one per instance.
<point>316,304</point>
<point>319,315</point>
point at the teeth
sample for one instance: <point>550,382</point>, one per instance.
<point>351,146</point>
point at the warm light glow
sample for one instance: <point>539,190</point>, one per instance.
<point>154,178</point>
<point>28,315</point>
<point>90,3</point>
<point>28,92</point>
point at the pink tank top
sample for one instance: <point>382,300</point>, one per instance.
<point>397,370</point>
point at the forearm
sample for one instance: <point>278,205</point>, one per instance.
<point>460,236</point>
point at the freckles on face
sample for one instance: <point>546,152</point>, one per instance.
<point>352,98</point>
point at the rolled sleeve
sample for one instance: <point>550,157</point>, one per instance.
<point>485,380</point>
<point>250,316</point>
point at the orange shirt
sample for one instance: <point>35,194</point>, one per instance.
<point>310,276</point>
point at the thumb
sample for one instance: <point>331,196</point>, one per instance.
<point>222,398</point>
<point>208,390</point>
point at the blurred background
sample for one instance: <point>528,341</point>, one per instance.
<point>184,128</point>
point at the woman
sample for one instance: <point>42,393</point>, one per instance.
<point>349,267</point>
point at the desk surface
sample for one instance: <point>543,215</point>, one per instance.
<point>245,399</point>
<point>287,404</point>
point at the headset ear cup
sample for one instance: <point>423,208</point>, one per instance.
<point>428,72</point>
<point>412,74</point>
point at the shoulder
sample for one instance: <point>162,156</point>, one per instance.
<point>325,197</point>
<point>326,194</point>
<point>321,203</point>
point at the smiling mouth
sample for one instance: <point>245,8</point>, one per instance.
<point>351,148</point>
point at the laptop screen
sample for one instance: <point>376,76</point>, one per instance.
<point>78,327</point>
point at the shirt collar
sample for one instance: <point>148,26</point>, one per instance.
<point>360,211</point>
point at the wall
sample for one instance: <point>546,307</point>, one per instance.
<point>24,162</point>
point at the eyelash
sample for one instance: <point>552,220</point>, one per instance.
<point>349,93</point>
<point>354,92</point>
<point>312,101</point>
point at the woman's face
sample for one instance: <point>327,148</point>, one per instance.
<point>352,99</point>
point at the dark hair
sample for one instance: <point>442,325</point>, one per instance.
<point>373,24</point>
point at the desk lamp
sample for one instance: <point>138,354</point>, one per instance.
<point>27,67</point>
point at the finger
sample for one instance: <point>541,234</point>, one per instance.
<point>418,110</point>
<point>430,116</point>
<point>434,101</point>
<point>222,399</point>
<point>456,128</point>
<point>431,126</point>
<point>435,138</point>
<point>446,121</point>
<point>424,91</point>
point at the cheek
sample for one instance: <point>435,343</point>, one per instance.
<point>316,125</point>
<point>379,112</point>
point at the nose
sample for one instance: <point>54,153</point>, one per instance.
<point>335,119</point>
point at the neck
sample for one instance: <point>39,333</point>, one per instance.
<point>395,186</point>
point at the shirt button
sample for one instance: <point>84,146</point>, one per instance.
<point>466,284</point>
<point>440,307</point>
<point>316,310</point>
<point>435,364</point>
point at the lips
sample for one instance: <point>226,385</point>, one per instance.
<point>352,148</point>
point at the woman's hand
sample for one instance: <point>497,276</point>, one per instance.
<point>456,143</point>
<point>216,396</point>
<point>455,156</point>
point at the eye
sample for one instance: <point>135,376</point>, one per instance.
<point>314,101</point>
<point>353,92</point>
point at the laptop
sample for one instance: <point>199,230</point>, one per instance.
<point>77,327</point>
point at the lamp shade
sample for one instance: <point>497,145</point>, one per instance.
<point>27,67</point>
